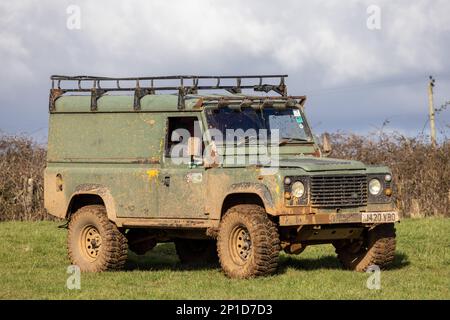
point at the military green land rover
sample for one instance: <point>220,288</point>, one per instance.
<point>226,176</point>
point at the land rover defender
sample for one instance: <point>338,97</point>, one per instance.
<point>226,176</point>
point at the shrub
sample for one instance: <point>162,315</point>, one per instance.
<point>421,173</point>
<point>22,163</point>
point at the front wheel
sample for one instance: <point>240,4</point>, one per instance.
<point>248,242</point>
<point>376,247</point>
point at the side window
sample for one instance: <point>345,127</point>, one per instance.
<point>178,132</point>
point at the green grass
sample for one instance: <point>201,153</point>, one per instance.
<point>33,264</point>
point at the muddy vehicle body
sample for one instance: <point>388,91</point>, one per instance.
<point>115,174</point>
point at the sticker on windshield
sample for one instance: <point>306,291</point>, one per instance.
<point>298,117</point>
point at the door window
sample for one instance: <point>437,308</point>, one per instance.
<point>178,133</point>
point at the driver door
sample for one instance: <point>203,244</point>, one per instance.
<point>182,190</point>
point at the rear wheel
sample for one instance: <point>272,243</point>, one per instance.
<point>377,247</point>
<point>248,242</point>
<point>94,243</point>
<point>193,251</point>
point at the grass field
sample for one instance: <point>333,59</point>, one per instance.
<point>33,265</point>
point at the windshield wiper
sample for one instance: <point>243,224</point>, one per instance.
<point>283,141</point>
<point>246,140</point>
<point>287,140</point>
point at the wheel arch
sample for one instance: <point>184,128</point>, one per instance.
<point>89,194</point>
<point>248,193</point>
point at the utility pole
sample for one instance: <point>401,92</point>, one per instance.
<point>431,111</point>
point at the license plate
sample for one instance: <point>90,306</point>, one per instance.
<point>379,217</point>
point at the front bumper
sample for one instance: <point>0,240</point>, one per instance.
<point>373,217</point>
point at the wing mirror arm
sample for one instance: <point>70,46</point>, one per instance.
<point>326,145</point>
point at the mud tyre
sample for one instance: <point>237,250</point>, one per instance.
<point>248,242</point>
<point>94,243</point>
<point>377,247</point>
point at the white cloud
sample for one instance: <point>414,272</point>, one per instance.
<point>289,35</point>
<point>321,43</point>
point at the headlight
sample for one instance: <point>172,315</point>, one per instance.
<point>298,189</point>
<point>388,177</point>
<point>374,187</point>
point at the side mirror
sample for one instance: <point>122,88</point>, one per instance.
<point>326,145</point>
<point>211,159</point>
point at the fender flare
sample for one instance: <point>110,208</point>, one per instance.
<point>98,190</point>
<point>259,189</point>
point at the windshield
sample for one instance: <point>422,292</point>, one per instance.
<point>289,122</point>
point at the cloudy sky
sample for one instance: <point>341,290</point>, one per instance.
<point>355,77</point>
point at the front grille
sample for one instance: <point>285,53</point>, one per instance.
<point>338,190</point>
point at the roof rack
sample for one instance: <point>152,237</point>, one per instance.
<point>141,89</point>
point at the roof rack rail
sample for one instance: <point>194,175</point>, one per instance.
<point>140,89</point>
<point>243,101</point>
